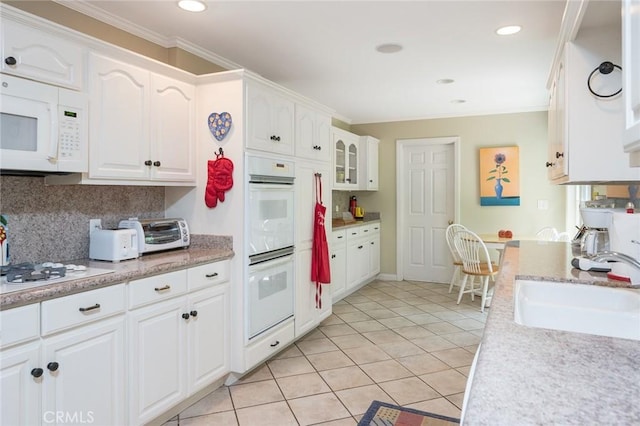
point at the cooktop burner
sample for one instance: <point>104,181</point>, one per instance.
<point>27,272</point>
<point>27,275</point>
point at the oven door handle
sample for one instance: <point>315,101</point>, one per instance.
<point>268,264</point>
<point>284,187</point>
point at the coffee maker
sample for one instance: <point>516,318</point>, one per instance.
<point>596,236</point>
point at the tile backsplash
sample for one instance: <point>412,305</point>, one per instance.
<point>51,222</point>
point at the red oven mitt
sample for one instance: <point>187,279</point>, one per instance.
<point>220,180</point>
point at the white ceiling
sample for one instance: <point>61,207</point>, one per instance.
<point>325,50</point>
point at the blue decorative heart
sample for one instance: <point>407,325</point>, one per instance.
<point>219,124</point>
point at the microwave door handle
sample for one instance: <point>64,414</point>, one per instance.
<point>53,145</point>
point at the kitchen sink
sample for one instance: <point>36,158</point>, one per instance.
<point>591,309</point>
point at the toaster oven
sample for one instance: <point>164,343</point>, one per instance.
<point>159,234</point>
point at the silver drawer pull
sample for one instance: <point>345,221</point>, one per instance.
<point>90,308</point>
<point>215,274</point>
<point>166,287</point>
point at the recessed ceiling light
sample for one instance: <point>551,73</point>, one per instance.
<point>389,48</point>
<point>458,101</point>
<point>445,81</point>
<point>192,5</point>
<point>508,30</point>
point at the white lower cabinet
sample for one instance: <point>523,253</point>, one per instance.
<point>307,314</point>
<point>77,365</point>
<point>72,377</point>
<point>361,258</point>
<point>84,378</point>
<point>20,389</point>
<point>177,345</point>
<point>338,256</point>
<point>157,361</point>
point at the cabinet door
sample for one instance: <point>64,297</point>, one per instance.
<point>20,390</point>
<point>369,163</point>
<point>374,255</point>
<point>345,160</point>
<point>172,149</point>
<point>313,133</point>
<point>631,70</point>
<point>307,316</point>
<point>305,188</point>
<point>270,121</point>
<point>157,361</point>
<point>119,117</point>
<point>84,374</point>
<point>41,56</point>
<point>358,255</point>
<point>208,336</point>
<point>338,255</point>
<point>558,138</point>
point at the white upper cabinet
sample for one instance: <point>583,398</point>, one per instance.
<point>39,55</point>
<point>369,147</point>
<point>119,117</point>
<point>313,134</point>
<point>172,145</point>
<point>631,83</point>
<point>270,120</point>
<point>586,117</point>
<point>346,152</point>
<point>142,124</point>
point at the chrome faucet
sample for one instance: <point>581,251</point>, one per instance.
<point>605,256</point>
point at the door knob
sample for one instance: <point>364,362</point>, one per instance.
<point>53,366</point>
<point>10,60</point>
<point>450,222</point>
<point>37,372</point>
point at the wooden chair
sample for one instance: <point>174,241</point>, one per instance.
<point>457,262</point>
<point>475,263</point>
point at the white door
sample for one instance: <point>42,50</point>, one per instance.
<point>426,205</point>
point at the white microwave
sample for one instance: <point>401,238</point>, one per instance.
<point>43,128</point>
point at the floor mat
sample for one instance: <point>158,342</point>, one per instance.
<point>384,414</point>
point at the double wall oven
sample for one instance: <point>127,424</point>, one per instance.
<point>270,233</point>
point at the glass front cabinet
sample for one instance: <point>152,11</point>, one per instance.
<point>345,159</point>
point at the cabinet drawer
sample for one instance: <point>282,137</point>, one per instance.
<point>19,324</point>
<point>338,237</point>
<point>373,228</point>
<point>354,232</point>
<point>208,275</point>
<point>77,309</point>
<point>157,288</point>
<point>268,345</point>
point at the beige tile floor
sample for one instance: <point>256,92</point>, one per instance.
<point>406,343</point>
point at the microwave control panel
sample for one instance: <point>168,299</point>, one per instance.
<point>69,133</point>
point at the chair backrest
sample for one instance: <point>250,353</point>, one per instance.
<point>451,231</point>
<point>473,251</point>
<point>548,233</point>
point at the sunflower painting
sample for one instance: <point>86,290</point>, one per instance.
<point>499,176</point>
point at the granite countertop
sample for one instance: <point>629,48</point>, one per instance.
<point>126,270</point>
<point>527,376</point>
<point>358,222</point>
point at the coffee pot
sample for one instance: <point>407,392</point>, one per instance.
<point>594,241</point>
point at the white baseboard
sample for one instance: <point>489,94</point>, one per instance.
<point>387,277</point>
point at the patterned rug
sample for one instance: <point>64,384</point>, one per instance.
<point>384,414</point>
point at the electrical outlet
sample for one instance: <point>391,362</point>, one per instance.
<point>94,224</point>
